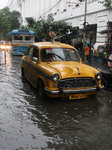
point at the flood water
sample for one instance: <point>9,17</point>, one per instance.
<point>28,122</point>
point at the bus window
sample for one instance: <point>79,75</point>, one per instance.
<point>17,37</point>
<point>28,38</point>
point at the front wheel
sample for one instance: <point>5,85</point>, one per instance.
<point>40,88</point>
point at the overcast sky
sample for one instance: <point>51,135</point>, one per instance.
<point>3,3</point>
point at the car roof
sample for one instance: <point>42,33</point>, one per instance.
<point>51,44</point>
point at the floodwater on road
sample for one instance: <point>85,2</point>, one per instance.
<point>28,122</point>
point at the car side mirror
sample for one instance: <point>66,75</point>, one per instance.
<point>35,59</point>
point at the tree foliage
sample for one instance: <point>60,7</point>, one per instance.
<point>42,27</point>
<point>108,3</point>
<point>8,21</point>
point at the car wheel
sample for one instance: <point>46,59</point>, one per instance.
<point>22,73</point>
<point>40,88</point>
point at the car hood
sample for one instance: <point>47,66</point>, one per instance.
<point>73,69</point>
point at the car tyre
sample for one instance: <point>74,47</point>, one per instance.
<point>40,88</point>
<point>22,72</point>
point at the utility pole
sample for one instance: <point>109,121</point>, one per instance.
<point>84,25</point>
<point>85,12</point>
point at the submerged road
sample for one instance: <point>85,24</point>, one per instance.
<point>28,122</point>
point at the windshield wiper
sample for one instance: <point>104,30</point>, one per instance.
<point>59,56</point>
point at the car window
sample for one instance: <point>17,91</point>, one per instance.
<point>35,52</point>
<point>59,54</point>
<point>30,51</point>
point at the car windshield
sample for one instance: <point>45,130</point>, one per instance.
<point>59,54</point>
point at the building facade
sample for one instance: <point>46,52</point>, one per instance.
<point>91,13</point>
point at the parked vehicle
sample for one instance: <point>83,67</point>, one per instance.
<point>20,40</point>
<point>55,69</point>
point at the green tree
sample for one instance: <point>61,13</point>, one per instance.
<point>108,3</point>
<point>42,28</point>
<point>30,22</point>
<point>8,21</point>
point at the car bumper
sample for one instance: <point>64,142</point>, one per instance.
<point>78,91</point>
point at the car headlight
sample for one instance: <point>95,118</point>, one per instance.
<point>98,76</point>
<point>8,47</point>
<point>55,77</point>
<point>2,47</point>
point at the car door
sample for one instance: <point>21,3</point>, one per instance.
<point>34,64</point>
<point>28,68</point>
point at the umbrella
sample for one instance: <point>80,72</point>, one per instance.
<point>105,31</point>
<point>89,43</point>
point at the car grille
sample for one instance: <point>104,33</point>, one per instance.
<point>76,83</point>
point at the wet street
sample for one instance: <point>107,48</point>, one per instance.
<point>28,122</point>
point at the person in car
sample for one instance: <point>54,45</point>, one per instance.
<point>50,56</point>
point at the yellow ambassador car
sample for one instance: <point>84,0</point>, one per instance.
<point>55,69</point>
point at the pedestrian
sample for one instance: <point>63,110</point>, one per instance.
<point>110,62</point>
<point>87,50</point>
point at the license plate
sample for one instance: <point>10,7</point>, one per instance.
<point>78,96</point>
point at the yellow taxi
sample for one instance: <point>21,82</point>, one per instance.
<point>56,69</point>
